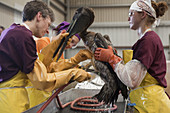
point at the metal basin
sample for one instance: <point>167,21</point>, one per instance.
<point>71,95</point>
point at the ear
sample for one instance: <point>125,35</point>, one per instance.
<point>39,15</point>
<point>143,15</point>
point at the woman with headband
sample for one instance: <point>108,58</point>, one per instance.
<point>143,68</point>
<point>64,26</point>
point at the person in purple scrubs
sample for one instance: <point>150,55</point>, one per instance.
<point>145,73</point>
<point>19,61</point>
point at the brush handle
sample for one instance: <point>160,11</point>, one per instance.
<point>63,47</point>
<point>56,51</point>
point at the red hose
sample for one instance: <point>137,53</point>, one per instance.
<point>91,109</point>
<point>81,101</point>
<point>60,105</point>
<point>51,98</point>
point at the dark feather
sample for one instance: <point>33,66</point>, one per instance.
<point>110,91</point>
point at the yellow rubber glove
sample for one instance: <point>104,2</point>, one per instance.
<point>49,50</point>
<point>82,55</point>
<point>51,81</point>
<point>64,64</point>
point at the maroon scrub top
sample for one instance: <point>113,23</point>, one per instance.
<point>17,51</point>
<point>150,52</point>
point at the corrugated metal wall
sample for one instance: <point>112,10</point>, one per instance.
<point>59,11</point>
<point>111,18</point>
<point>105,10</point>
<point>5,19</point>
<point>108,10</point>
<point>11,11</point>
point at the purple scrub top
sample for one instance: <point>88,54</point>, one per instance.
<point>17,51</point>
<point>150,52</point>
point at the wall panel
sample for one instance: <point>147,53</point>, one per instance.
<point>99,2</point>
<point>7,16</point>
<point>111,18</point>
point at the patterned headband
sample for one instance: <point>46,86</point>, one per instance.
<point>140,5</point>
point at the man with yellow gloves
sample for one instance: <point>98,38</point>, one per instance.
<point>19,61</point>
<point>38,96</point>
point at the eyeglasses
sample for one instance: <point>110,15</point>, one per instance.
<point>131,13</point>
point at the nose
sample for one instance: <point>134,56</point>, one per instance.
<point>128,18</point>
<point>47,31</point>
<point>71,45</point>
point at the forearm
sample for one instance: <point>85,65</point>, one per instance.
<point>132,73</point>
<point>48,52</point>
<point>62,64</point>
<point>43,80</point>
<point>46,81</point>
